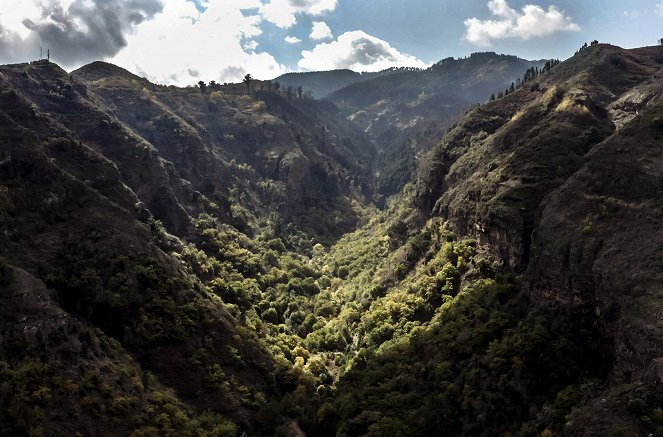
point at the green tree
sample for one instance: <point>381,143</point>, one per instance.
<point>203,87</point>
<point>247,81</point>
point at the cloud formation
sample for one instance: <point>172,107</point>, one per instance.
<point>356,51</point>
<point>659,9</point>
<point>75,31</point>
<point>283,13</point>
<point>214,44</point>
<point>532,21</point>
<point>292,40</point>
<point>320,31</point>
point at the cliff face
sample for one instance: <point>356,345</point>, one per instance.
<point>490,174</point>
<point>598,243</point>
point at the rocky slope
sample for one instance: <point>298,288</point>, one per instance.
<point>606,251</point>
<point>490,175</point>
<point>304,155</point>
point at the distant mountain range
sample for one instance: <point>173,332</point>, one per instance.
<point>322,83</point>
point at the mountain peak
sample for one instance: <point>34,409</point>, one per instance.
<point>103,70</point>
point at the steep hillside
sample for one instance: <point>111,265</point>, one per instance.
<point>489,175</point>
<point>108,319</point>
<point>559,183</point>
<point>97,315</point>
<point>607,252</point>
<point>403,109</point>
<point>306,159</point>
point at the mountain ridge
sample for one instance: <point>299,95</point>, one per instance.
<point>342,78</point>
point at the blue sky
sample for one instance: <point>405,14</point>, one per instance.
<point>434,29</point>
<point>183,41</point>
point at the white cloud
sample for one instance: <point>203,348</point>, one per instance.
<point>357,51</point>
<point>12,15</point>
<point>292,40</point>
<point>659,9</point>
<point>531,21</point>
<point>182,45</point>
<point>283,12</point>
<point>320,31</point>
<point>632,13</point>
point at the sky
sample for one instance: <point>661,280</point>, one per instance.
<point>183,41</point>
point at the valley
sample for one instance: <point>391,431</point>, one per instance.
<point>405,256</point>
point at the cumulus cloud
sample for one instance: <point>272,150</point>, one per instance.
<point>215,44</point>
<point>320,31</point>
<point>357,51</point>
<point>659,9</point>
<point>292,40</point>
<point>283,13</point>
<point>531,21</point>
<point>75,31</point>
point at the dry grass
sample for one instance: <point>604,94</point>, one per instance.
<point>517,116</point>
<point>216,96</point>
<point>569,104</point>
<point>549,95</point>
<point>259,106</point>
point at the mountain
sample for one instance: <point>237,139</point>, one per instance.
<point>557,185</point>
<point>307,155</point>
<point>114,194</point>
<point>97,314</point>
<point>402,110</point>
<point>322,83</point>
<point>187,261</point>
